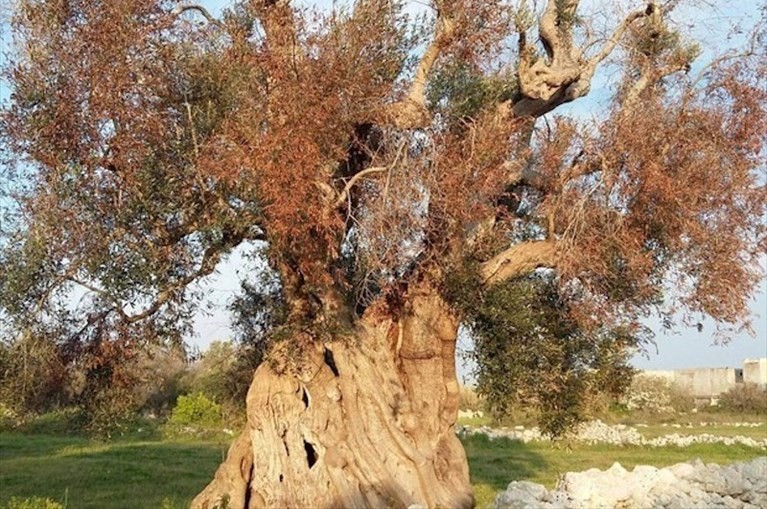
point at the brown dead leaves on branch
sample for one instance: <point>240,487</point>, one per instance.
<point>362,146</point>
<point>668,186</point>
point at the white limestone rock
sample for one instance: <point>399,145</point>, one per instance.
<point>683,486</point>
<point>521,495</point>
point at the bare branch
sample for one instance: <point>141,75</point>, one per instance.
<point>613,41</point>
<point>518,260</point>
<point>649,77</point>
<point>445,30</point>
<point>181,9</point>
<point>750,52</point>
<point>344,194</point>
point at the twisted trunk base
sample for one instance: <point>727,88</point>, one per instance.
<point>368,422</point>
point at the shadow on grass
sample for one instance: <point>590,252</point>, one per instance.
<point>142,474</point>
<point>496,463</point>
<point>89,474</point>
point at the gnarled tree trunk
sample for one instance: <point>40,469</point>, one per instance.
<point>367,422</point>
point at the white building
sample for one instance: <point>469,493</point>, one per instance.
<point>755,371</point>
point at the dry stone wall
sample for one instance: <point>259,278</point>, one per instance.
<point>689,485</point>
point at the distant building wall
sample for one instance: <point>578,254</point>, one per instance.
<point>708,382</point>
<point>755,371</point>
<point>657,373</point>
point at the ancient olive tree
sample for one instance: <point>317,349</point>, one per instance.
<point>373,156</point>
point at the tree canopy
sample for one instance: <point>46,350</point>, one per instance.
<point>368,148</point>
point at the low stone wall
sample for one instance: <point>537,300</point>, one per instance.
<point>598,432</point>
<point>689,485</point>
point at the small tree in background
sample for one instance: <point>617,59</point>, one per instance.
<point>196,410</point>
<point>223,373</point>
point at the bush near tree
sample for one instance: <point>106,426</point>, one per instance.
<point>196,410</point>
<point>529,353</point>
<point>656,395</point>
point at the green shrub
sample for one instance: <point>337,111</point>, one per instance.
<point>745,398</point>
<point>64,421</point>
<point>196,410</point>
<point>32,503</point>
<point>224,374</point>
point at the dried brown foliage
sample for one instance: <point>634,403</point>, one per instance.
<point>369,150</point>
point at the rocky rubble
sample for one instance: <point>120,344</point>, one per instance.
<point>690,485</point>
<point>619,434</point>
<point>470,414</point>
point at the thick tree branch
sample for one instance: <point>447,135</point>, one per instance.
<point>546,83</point>
<point>411,113</point>
<point>518,260</point>
<point>555,28</point>
<point>542,78</point>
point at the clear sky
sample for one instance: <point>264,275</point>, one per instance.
<point>686,347</point>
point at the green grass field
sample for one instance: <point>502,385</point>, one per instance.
<point>147,474</point>
<point>87,474</point>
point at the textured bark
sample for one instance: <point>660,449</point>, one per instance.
<point>368,421</point>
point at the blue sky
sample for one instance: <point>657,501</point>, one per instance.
<point>685,348</point>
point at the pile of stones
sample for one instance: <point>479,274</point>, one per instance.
<point>690,485</point>
<point>470,414</point>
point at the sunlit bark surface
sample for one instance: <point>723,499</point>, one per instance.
<point>368,421</point>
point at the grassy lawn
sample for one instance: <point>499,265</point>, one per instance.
<point>89,474</point>
<point>142,474</point>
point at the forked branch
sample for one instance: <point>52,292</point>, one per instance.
<point>546,83</point>
<point>650,76</point>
